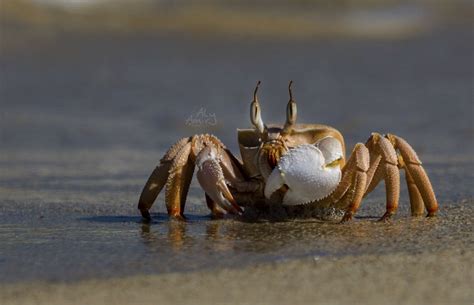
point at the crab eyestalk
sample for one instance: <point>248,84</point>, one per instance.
<point>291,112</point>
<point>256,113</point>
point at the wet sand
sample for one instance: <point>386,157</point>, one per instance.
<point>441,278</point>
<point>90,246</point>
<point>84,121</point>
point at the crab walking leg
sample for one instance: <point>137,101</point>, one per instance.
<point>234,176</point>
<point>231,168</point>
<point>211,178</point>
<point>158,178</point>
<point>344,185</point>
<point>356,172</point>
<point>387,170</point>
<point>416,201</point>
<point>392,190</point>
<point>389,173</point>
<point>417,206</point>
<point>375,173</point>
<point>178,182</point>
<point>417,172</point>
<point>153,187</point>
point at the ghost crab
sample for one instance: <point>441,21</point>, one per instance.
<point>289,165</point>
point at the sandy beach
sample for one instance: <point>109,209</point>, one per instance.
<point>85,117</point>
<point>425,278</point>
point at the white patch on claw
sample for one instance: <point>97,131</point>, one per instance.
<point>303,169</point>
<point>331,149</point>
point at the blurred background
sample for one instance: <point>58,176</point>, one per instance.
<point>129,73</point>
<point>92,93</point>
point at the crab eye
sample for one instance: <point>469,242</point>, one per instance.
<point>256,117</point>
<point>255,112</point>
<point>291,112</point>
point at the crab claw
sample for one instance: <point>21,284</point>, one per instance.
<point>306,172</point>
<point>211,178</point>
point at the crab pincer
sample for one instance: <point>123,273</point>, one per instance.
<point>309,172</point>
<point>211,178</point>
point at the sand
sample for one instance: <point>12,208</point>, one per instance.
<point>85,118</point>
<point>441,278</point>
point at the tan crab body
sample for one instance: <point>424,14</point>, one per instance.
<point>290,165</point>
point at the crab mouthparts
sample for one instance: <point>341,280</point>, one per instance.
<point>304,172</point>
<point>274,153</point>
<point>273,158</point>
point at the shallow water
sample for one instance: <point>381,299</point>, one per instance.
<point>84,121</point>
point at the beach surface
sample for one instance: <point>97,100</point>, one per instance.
<point>85,118</point>
<point>444,277</point>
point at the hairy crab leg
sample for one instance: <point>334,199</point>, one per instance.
<point>416,171</point>
<point>158,178</point>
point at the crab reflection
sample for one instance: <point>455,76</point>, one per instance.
<point>285,238</point>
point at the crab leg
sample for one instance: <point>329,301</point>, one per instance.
<point>355,174</point>
<point>179,179</point>
<point>416,201</point>
<point>244,190</point>
<point>217,167</point>
<point>158,178</point>
<point>232,169</point>
<point>211,178</point>
<point>387,169</point>
<point>416,171</point>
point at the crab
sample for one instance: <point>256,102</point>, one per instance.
<point>290,165</point>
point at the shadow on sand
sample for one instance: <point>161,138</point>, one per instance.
<point>156,218</point>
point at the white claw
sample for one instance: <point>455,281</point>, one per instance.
<point>331,149</point>
<point>274,182</point>
<point>303,169</point>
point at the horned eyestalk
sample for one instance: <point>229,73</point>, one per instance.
<point>291,111</point>
<point>255,112</point>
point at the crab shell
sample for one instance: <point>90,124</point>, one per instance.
<point>311,172</point>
